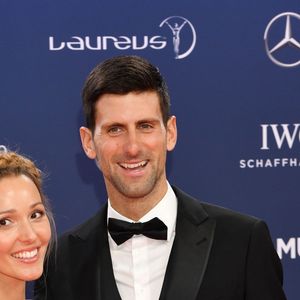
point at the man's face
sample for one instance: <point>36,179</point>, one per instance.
<point>130,143</point>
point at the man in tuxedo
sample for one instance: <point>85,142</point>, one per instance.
<point>151,240</point>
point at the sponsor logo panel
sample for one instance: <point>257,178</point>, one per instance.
<point>289,248</point>
<point>282,39</point>
<point>180,34</point>
<point>274,138</point>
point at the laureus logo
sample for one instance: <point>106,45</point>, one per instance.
<point>181,33</point>
<point>177,24</point>
<point>281,41</point>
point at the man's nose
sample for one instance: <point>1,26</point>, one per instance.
<point>132,143</point>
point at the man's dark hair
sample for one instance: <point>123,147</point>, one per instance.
<point>121,75</point>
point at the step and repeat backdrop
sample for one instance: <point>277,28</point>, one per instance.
<point>233,71</point>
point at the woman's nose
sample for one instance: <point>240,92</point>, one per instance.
<point>27,233</point>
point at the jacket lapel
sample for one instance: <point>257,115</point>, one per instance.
<point>109,290</point>
<point>94,246</point>
<point>190,251</point>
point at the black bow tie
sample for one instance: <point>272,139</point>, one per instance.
<point>121,231</point>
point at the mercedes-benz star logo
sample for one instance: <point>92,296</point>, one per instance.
<point>176,23</point>
<point>287,40</point>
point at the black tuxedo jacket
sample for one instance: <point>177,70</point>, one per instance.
<point>217,254</point>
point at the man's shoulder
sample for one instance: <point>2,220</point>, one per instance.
<point>221,214</point>
<point>229,216</point>
<point>88,228</point>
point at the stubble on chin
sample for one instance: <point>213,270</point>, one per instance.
<point>134,190</point>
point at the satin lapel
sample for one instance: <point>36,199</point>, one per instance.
<point>92,253</point>
<point>109,290</point>
<point>190,251</point>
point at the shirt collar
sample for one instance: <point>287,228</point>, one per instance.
<point>165,210</point>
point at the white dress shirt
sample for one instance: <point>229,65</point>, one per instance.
<point>139,264</point>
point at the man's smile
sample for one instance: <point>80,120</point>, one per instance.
<point>135,165</point>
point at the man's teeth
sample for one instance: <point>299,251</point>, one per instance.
<point>26,254</point>
<point>132,166</point>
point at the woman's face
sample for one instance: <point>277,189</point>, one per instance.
<point>24,229</point>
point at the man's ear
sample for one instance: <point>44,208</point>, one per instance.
<point>171,133</point>
<point>87,142</point>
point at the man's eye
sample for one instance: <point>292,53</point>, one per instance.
<point>114,130</point>
<point>146,126</point>
<point>5,222</point>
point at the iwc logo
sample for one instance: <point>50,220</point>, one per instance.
<point>176,24</point>
<point>274,138</point>
<point>283,49</point>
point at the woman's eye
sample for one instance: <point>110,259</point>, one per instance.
<point>5,222</point>
<point>37,214</point>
